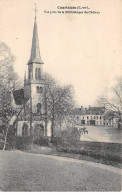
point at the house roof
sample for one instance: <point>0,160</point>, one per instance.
<point>110,114</point>
<point>19,97</point>
<point>77,111</point>
<point>89,111</point>
<point>95,110</point>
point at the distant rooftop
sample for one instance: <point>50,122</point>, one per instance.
<point>89,111</point>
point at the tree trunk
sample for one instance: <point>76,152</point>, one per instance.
<point>52,130</point>
<point>4,147</point>
<point>45,125</point>
<point>52,126</point>
<point>46,117</point>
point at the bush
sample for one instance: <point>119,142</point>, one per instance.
<point>98,150</point>
<point>8,147</point>
<point>1,136</point>
<point>70,135</point>
<point>23,142</point>
<point>42,141</point>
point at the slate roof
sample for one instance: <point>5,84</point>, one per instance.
<point>35,52</point>
<point>95,110</point>
<point>110,115</point>
<point>19,97</point>
<point>77,111</point>
<point>89,111</point>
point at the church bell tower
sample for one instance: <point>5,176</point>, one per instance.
<point>34,84</point>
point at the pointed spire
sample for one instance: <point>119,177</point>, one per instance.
<point>35,52</point>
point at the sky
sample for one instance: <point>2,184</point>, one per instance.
<point>79,49</point>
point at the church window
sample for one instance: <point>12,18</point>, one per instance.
<point>36,76</point>
<point>39,108</point>
<point>41,90</point>
<point>24,130</point>
<point>30,74</point>
<point>39,73</point>
<point>37,89</point>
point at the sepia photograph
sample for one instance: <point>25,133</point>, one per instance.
<point>60,95</point>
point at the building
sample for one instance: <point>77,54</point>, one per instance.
<point>111,119</point>
<point>96,116</point>
<point>89,116</point>
<point>28,101</point>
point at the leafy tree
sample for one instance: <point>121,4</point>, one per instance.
<point>8,82</point>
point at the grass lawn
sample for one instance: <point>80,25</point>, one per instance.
<point>20,171</point>
<point>100,152</point>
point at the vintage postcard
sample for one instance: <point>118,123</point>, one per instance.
<point>60,95</point>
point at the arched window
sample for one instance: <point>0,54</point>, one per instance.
<point>30,74</point>
<point>37,89</point>
<point>41,90</point>
<point>38,131</point>
<point>39,73</point>
<point>39,108</point>
<point>36,74</point>
<point>24,130</point>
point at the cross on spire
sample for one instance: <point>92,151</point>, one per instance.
<point>35,11</point>
<point>35,52</point>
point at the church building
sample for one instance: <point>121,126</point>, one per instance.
<point>29,102</point>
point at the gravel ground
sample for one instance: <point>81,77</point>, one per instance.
<point>21,171</point>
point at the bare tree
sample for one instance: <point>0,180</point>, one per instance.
<point>64,106</point>
<point>117,99</point>
<point>115,102</point>
<point>58,101</point>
